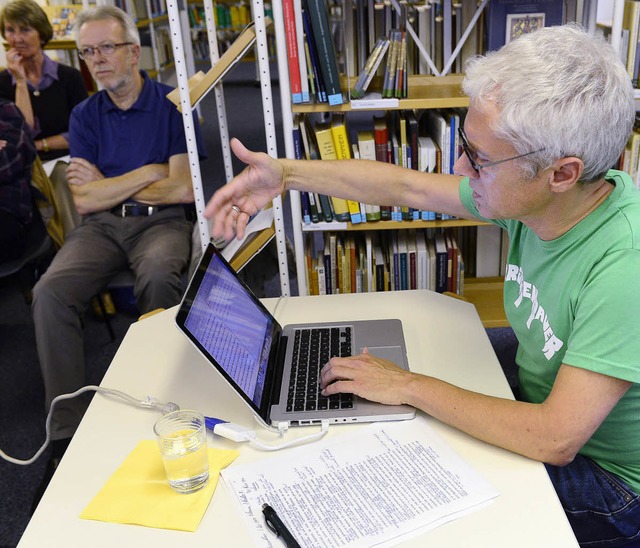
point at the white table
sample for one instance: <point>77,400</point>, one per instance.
<point>445,338</point>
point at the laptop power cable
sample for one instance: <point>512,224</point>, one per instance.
<point>148,403</point>
<point>240,434</point>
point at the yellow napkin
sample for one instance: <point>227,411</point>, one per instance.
<point>138,492</point>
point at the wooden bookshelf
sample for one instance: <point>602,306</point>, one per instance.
<point>251,248</point>
<point>389,225</point>
<point>425,92</point>
<point>486,294</point>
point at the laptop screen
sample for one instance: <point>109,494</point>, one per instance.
<point>229,325</point>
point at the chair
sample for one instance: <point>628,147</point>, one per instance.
<point>38,253</point>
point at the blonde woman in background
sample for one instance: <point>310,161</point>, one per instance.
<point>45,91</point>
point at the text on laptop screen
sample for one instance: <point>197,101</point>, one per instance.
<point>232,329</point>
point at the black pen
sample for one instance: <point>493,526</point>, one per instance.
<point>280,530</point>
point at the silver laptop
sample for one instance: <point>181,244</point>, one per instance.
<point>275,368</point>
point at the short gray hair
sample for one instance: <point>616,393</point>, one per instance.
<point>559,89</point>
<point>103,13</point>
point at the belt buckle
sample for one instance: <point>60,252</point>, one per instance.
<point>123,210</point>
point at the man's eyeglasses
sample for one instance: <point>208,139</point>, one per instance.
<point>472,155</point>
<point>105,49</point>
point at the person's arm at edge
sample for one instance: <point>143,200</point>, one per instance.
<point>366,181</point>
<point>552,432</point>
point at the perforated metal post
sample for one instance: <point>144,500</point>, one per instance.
<point>187,118</point>
<point>262,52</point>
<point>287,128</point>
<point>214,55</point>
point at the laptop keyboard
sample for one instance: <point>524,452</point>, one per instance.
<point>312,350</point>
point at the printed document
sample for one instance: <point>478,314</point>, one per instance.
<point>378,485</point>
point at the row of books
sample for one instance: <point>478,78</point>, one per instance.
<point>384,261</point>
<point>229,16</point>
<point>325,39</point>
<point>138,9</point>
<point>630,159</point>
<point>62,19</point>
<point>311,55</point>
<point>438,25</point>
<point>164,48</point>
<point>395,83</point>
<point>426,141</point>
<point>630,44</point>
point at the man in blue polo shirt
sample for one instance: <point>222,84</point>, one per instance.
<point>130,179</point>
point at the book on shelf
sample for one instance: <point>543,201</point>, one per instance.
<point>508,19</point>
<point>367,150</point>
<point>403,260</point>
<point>370,68</point>
<point>412,136</point>
<point>291,39</point>
<point>302,58</point>
<point>312,51</point>
<point>412,254</point>
<point>343,152</point>
<point>62,19</point>
<point>389,82</point>
<point>630,24</point>
<point>422,260</point>
<point>401,81</point>
<point>424,16</point>
<point>326,147</point>
<point>351,62</point>
<point>430,275</point>
<point>319,203</point>
<point>325,48</point>
<point>442,262</point>
<point>309,214</point>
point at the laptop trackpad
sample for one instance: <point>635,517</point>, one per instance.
<point>391,353</point>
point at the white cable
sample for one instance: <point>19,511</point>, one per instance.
<point>149,403</point>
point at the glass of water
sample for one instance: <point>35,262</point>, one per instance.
<point>182,439</point>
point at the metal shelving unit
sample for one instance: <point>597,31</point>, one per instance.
<point>182,71</point>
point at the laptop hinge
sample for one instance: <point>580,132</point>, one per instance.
<point>276,382</point>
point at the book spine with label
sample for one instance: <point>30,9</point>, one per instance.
<point>442,263</point>
<point>313,56</point>
<point>302,59</point>
<point>292,51</point>
<point>343,152</point>
<point>367,149</point>
<point>327,150</point>
<point>299,154</point>
<point>370,68</point>
<point>326,52</point>
<point>388,86</point>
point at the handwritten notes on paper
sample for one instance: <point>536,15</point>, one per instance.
<point>380,483</point>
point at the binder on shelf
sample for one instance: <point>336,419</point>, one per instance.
<point>325,49</point>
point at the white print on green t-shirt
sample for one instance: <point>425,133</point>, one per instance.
<point>530,291</point>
